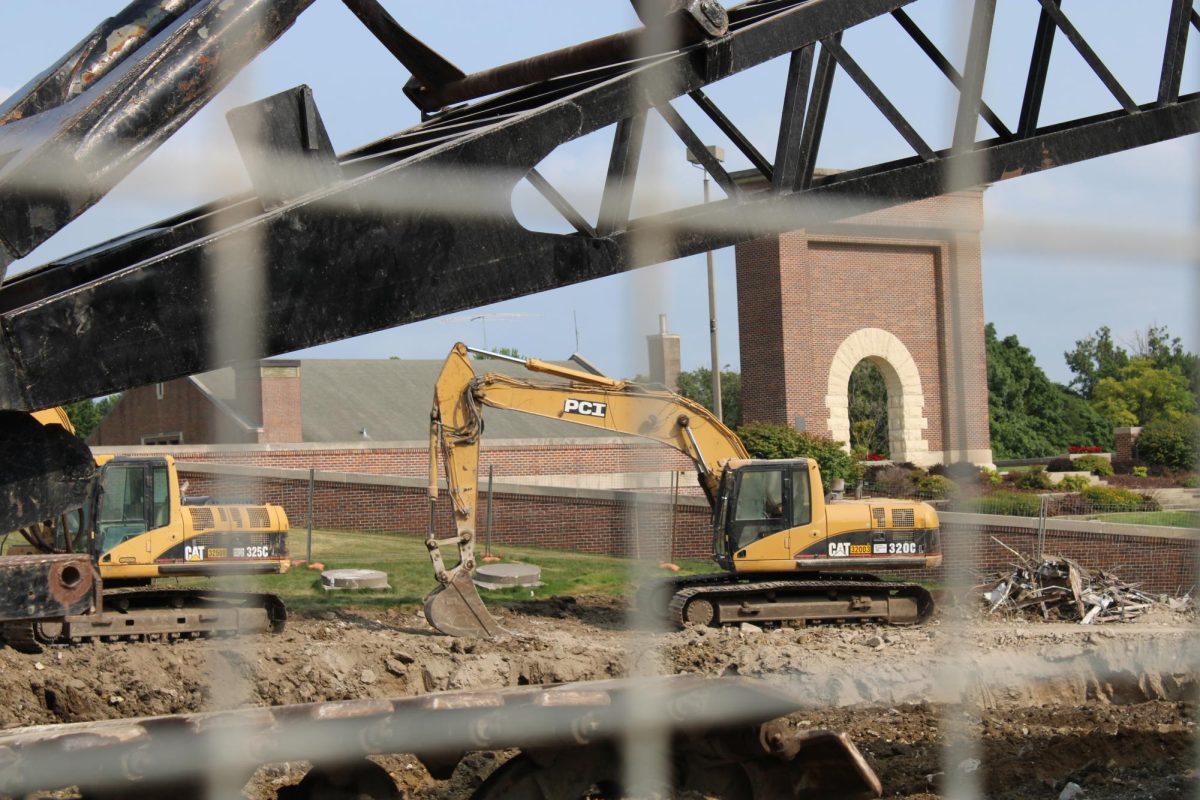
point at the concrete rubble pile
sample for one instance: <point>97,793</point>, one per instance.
<point>1058,588</point>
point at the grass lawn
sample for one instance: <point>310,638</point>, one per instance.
<point>1174,519</point>
<point>405,560</point>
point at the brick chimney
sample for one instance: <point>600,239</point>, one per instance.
<point>664,356</point>
<point>268,396</point>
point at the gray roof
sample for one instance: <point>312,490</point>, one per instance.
<point>391,399</point>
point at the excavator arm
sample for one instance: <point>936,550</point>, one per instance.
<point>456,426</point>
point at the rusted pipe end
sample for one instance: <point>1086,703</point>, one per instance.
<point>695,20</point>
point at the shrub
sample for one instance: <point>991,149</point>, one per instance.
<point>937,469</point>
<point>1061,465</point>
<point>1170,443</point>
<point>961,472</point>
<point>1073,483</point>
<point>1140,472</point>
<point>936,487</point>
<point>1008,503</point>
<point>1117,499</point>
<point>1190,481</point>
<point>765,440</point>
<point>893,480</point>
<point>1034,478</point>
<point>990,477</point>
<point>1095,465</point>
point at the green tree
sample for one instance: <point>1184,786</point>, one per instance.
<point>696,385</point>
<point>1141,393</point>
<point>1166,352</point>
<point>85,415</point>
<point>767,440</point>
<point>511,352</point>
<point>1029,415</point>
<point>1093,359</point>
<point>868,409</point>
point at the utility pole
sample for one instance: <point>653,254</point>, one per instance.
<point>719,154</point>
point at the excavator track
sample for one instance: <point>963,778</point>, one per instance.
<point>140,614</point>
<point>856,598</point>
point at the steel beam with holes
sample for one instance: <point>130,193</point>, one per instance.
<point>420,224</point>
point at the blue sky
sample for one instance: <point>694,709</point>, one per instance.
<point>1064,250</point>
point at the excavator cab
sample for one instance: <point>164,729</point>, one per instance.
<point>136,499</point>
<point>758,499</point>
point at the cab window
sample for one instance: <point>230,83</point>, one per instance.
<point>122,506</point>
<point>162,498</point>
<point>801,498</point>
<point>760,507</point>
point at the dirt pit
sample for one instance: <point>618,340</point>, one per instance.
<point>1031,706</point>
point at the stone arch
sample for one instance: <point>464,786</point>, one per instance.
<point>906,401</point>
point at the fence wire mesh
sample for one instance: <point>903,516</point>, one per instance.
<point>357,699</point>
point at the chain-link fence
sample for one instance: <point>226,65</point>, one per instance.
<point>568,170</point>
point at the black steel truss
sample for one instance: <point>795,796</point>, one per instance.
<point>341,258</point>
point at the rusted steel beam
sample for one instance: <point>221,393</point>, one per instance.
<point>423,225</point>
<point>426,66</point>
<point>723,724</point>
<point>76,130</point>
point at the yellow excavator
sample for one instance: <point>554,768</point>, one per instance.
<point>139,527</point>
<point>788,552</point>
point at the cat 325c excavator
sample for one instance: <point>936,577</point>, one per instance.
<point>788,553</point>
<point>137,527</point>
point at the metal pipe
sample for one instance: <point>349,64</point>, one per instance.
<point>712,324</point>
<point>312,485</point>
<point>487,531</point>
<point>691,20</point>
<point>497,356</point>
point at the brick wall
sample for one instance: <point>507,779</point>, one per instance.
<point>1124,442</point>
<point>913,271</point>
<point>181,408</point>
<point>589,521</point>
<point>605,522</point>
<point>509,458</point>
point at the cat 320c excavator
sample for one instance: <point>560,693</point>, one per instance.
<point>788,553</point>
<point>137,527</point>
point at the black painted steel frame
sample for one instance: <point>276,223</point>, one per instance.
<point>358,253</point>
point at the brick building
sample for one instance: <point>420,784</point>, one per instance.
<point>901,287</point>
<point>315,401</point>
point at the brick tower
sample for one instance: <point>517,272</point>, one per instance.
<point>901,287</point>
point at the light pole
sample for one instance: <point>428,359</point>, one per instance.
<point>719,154</point>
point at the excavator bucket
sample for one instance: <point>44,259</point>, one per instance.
<point>45,471</point>
<point>455,609</point>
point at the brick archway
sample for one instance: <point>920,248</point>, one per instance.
<point>906,400</point>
